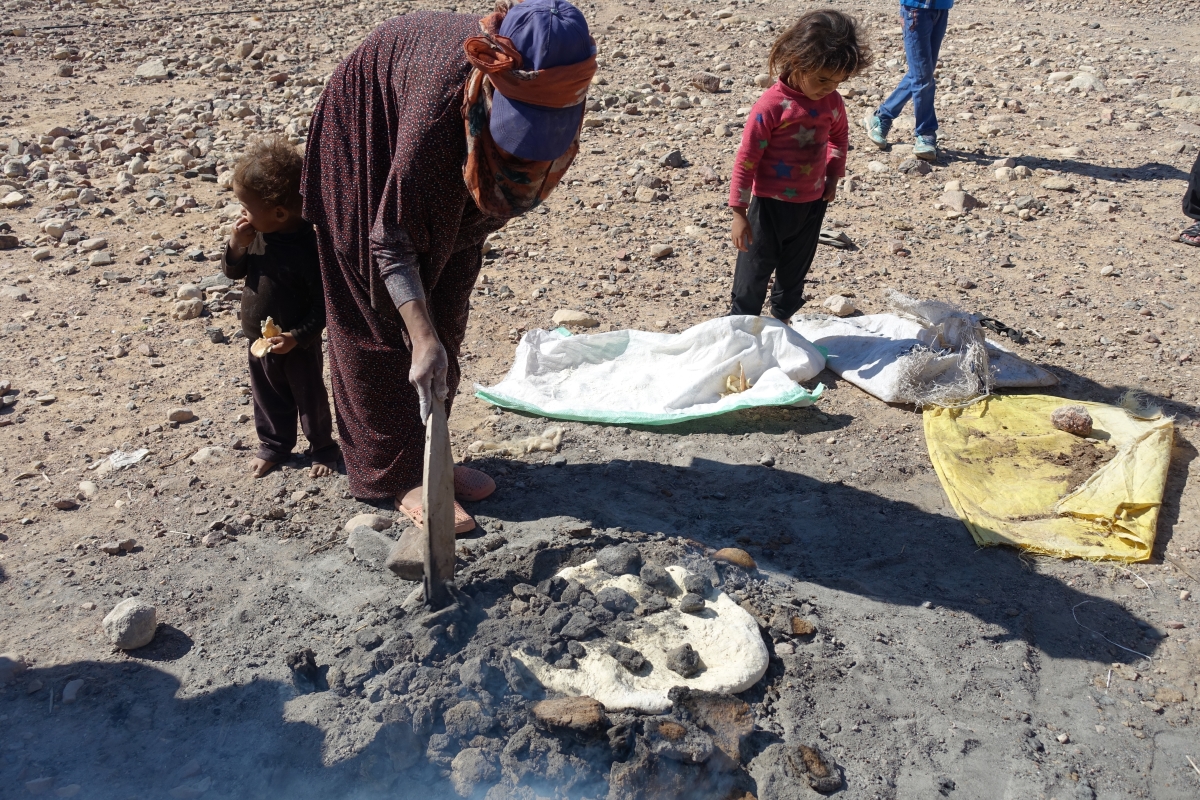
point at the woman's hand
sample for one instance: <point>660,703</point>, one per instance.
<point>742,237</point>
<point>284,343</point>
<point>430,364</point>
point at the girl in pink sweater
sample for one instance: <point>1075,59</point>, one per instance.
<point>793,151</point>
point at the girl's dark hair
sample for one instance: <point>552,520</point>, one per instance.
<point>271,169</point>
<point>824,39</point>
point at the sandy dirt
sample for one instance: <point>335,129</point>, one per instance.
<point>937,668</point>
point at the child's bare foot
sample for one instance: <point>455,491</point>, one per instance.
<point>320,469</point>
<point>260,467</point>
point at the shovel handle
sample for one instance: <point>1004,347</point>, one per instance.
<point>437,503</point>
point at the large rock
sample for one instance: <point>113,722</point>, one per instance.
<point>839,306</point>
<point>153,70</point>
<point>131,624</point>
<point>578,714</point>
<point>578,319</point>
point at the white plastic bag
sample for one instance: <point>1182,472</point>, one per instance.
<point>636,377</point>
<point>870,352</point>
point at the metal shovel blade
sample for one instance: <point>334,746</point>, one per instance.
<point>437,502</point>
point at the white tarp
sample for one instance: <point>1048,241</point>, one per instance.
<point>636,377</point>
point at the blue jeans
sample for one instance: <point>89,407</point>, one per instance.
<point>924,30</point>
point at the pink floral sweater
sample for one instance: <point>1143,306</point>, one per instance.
<point>791,145</point>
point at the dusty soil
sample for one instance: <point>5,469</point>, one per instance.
<point>937,669</point>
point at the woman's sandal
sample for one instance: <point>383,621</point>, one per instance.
<point>463,522</point>
<point>471,485</point>
<point>1190,236</point>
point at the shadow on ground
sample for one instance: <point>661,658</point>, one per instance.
<point>827,534</point>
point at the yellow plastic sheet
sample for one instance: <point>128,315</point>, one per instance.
<point>1015,479</point>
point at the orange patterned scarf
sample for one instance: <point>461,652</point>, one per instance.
<point>503,185</point>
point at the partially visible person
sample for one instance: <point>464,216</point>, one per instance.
<point>1191,207</point>
<point>275,251</point>
<point>924,23</point>
<point>792,154</point>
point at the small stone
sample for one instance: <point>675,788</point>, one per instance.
<point>206,455</point>
<point>1063,738</point>
<point>1087,82</point>
<point>212,538</point>
<point>706,82</point>
<point>470,768</point>
<point>579,319</point>
<point>734,555</point>
<point>658,578</point>
<point>12,666</point>
<point>1072,419</point>
<point>153,70</point>
<point>673,159</point>
<point>1174,625</point>
<point>691,603</point>
<point>683,660</point>
<point>839,306</point>
<point>958,201</point>
<point>830,725</point>
<point>1107,271</point>
<point>616,600</point>
<point>189,291</point>
<point>644,194</point>
<point>187,309</point>
<point>112,548</point>
<point>180,415</point>
<point>101,258</point>
<point>578,714</point>
<point>965,283</point>
<point>39,785</point>
<point>763,80</point>
<point>88,606</point>
<point>66,504</point>
<point>620,559</point>
<point>1057,183</point>
<point>13,200</point>
<point>696,584</point>
<point>802,627</point>
<point>627,657</point>
<point>660,251</point>
<point>767,460</point>
<point>131,624</point>
<point>1006,174</point>
<point>71,691</point>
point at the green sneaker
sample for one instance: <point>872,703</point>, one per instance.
<point>925,148</point>
<point>877,130</point>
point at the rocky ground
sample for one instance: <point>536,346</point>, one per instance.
<point>919,664</point>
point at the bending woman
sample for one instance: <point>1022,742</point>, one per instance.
<point>432,134</point>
